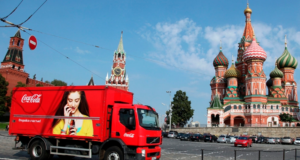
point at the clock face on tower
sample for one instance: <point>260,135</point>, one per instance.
<point>117,71</point>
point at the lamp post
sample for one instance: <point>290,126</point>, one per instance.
<point>170,111</point>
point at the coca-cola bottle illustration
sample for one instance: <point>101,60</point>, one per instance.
<point>72,126</point>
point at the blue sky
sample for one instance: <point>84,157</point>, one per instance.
<point>170,44</point>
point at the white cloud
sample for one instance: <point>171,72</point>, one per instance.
<point>80,51</point>
<point>183,44</point>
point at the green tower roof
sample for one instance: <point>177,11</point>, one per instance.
<point>286,59</point>
<point>216,102</point>
<point>276,73</point>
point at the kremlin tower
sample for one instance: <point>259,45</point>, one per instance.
<point>242,96</point>
<point>118,77</point>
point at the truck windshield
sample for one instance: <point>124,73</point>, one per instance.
<point>148,119</point>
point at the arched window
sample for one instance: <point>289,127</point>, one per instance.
<point>277,107</point>
<point>240,107</point>
<point>13,66</point>
<point>282,108</point>
<point>19,68</point>
<point>227,108</point>
<point>287,109</point>
<point>254,106</point>
<point>271,106</point>
<point>258,106</point>
<point>19,42</point>
<point>234,107</point>
<point>13,41</point>
<point>119,55</point>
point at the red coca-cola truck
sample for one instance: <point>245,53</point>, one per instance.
<point>81,121</point>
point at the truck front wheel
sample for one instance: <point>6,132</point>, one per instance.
<point>113,153</point>
<point>38,151</point>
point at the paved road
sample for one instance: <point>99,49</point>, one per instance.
<point>174,149</point>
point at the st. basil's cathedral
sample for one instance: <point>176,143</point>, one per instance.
<point>242,95</point>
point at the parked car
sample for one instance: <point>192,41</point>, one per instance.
<point>185,137</point>
<point>172,134</point>
<point>260,140</point>
<point>230,139</point>
<point>278,140</point>
<point>179,135</point>
<point>197,137</point>
<point>271,140</point>
<point>243,141</point>
<point>210,138</point>
<point>287,140</point>
<point>297,141</point>
<point>222,139</point>
<point>265,140</point>
<point>254,139</point>
<point>165,134</point>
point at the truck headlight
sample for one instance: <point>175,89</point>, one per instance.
<point>143,153</point>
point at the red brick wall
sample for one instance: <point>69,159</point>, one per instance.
<point>13,77</point>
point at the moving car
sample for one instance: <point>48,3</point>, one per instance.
<point>243,141</point>
<point>197,137</point>
<point>172,134</point>
<point>185,137</point>
<point>287,140</point>
<point>222,139</point>
<point>297,141</point>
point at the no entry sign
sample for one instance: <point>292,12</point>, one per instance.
<point>32,42</point>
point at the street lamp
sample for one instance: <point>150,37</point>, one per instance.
<point>170,111</point>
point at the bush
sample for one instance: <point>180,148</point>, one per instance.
<point>4,118</point>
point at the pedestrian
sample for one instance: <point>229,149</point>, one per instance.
<point>7,127</point>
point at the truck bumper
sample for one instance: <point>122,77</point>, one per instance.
<point>150,153</point>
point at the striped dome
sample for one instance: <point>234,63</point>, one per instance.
<point>232,72</point>
<point>220,60</point>
<point>276,73</point>
<point>287,60</point>
<point>254,51</point>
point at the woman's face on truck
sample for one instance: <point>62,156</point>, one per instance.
<point>73,101</point>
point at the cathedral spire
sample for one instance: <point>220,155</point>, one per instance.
<point>248,31</point>
<point>220,45</point>
<point>120,47</point>
<point>285,43</point>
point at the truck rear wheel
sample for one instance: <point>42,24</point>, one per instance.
<point>113,153</point>
<point>38,151</point>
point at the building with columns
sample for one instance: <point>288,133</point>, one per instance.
<point>118,78</point>
<point>242,95</point>
<point>12,66</point>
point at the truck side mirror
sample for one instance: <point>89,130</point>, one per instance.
<point>131,123</point>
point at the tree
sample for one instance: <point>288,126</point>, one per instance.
<point>56,82</point>
<point>39,85</point>
<point>20,84</point>
<point>47,81</point>
<point>181,111</point>
<point>3,97</point>
<point>285,117</point>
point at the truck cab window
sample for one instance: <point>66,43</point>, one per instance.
<point>124,116</point>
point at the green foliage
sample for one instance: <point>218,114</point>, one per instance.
<point>285,117</point>
<point>20,84</point>
<point>3,97</point>
<point>3,125</point>
<point>47,82</point>
<point>181,111</point>
<point>56,82</point>
<point>39,85</point>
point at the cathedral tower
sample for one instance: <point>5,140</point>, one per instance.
<point>287,64</point>
<point>118,77</point>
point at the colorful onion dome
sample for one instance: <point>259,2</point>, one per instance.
<point>232,72</point>
<point>220,60</point>
<point>247,10</point>
<point>286,59</point>
<point>276,73</point>
<point>254,51</point>
<point>269,83</point>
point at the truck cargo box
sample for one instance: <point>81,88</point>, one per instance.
<point>42,111</point>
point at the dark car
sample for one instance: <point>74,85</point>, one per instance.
<point>260,140</point>
<point>254,139</point>
<point>165,134</point>
<point>179,135</point>
<point>197,137</point>
<point>209,137</point>
<point>186,137</point>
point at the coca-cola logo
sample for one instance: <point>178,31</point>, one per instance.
<point>131,135</point>
<point>36,98</point>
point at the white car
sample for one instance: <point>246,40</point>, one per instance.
<point>297,141</point>
<point>230,139</point>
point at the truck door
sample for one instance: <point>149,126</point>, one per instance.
<point>121,128</point>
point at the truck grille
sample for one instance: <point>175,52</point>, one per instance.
<point>151,140</point>
<point>153,154</point>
